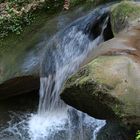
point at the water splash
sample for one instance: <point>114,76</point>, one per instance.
<point>63,58</point>
<point>66,51</point>
<point>64,125</point>
<point>16,128</point>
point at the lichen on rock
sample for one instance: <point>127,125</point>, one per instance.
<point>123,14</point>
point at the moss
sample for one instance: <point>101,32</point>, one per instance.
<point>122,14</point>
<point>118,110</point>
<point>84,89</point>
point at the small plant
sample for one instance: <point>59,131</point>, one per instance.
<point>138,135</point>
<point>15,15</point>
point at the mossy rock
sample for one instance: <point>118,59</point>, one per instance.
<point>108,87</point>
<point>103,90</point>
<point>123,14</point>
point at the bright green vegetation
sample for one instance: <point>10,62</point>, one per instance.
<point>138,135</point>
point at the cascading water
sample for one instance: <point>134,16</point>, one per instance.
<point>66,52</point>
<point>65,55</point>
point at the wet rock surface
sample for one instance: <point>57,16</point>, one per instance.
<point>114,131</point>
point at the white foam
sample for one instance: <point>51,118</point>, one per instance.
<point>44,126</point>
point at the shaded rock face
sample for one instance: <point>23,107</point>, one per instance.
<point>114,131</point>
<point>82,98</point>
<point>108,87</point>
<point>18,85</point>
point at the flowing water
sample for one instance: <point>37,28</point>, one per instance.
<point>65,53</point>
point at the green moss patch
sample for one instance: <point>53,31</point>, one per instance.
<point>122,14</point>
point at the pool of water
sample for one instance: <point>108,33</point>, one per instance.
<point>19,121</point>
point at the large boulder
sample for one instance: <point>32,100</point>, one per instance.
<point>109,86</point>
<point>123,14</point>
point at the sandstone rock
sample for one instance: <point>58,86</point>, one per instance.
<point>123,14</point>
<point>109,86</point>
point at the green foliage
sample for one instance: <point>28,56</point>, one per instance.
<point>138,135</point>
<point>16,14</point>
<point>14,24</point>
<point>14,21</point>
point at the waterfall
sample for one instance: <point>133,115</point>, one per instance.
<point>65,53</point>
<point>64,57</point>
